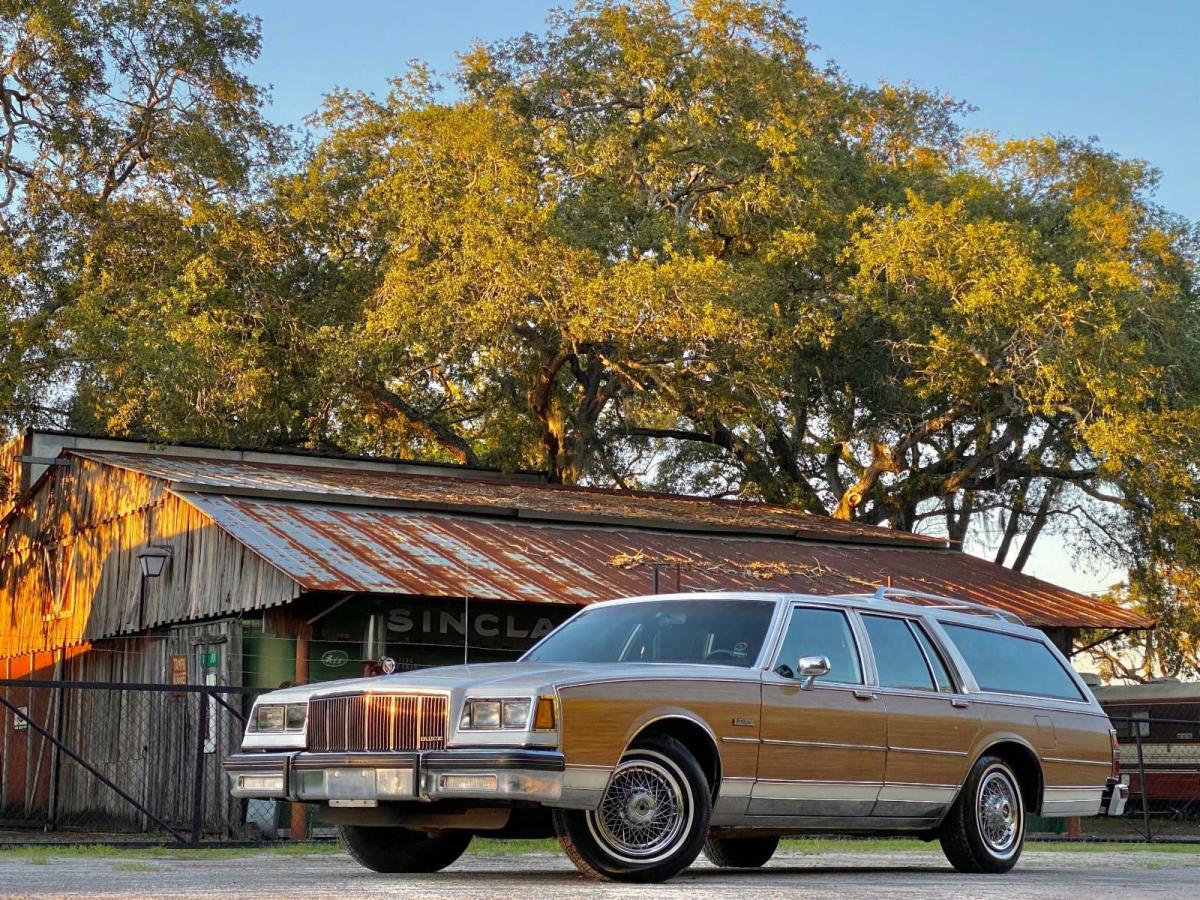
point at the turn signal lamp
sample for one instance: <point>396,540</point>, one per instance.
<point>546,718</point>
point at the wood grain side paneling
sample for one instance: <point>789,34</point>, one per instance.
<point>598,720</point>
<point>1075,751</point>
<point>823,734</point>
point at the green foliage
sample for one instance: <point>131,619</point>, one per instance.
<point>654,245</point>
<point>124,125</point>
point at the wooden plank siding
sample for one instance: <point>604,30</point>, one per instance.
<point>10,472</point>
<point>69,568</point>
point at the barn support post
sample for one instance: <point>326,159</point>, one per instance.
<point>298,830</point>
<point>31,705</point>
<point>4,756</point>
<point>56,758</point>
<point>1137,736</point>
<point>198,772</point>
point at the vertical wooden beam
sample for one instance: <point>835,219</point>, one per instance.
<point>299,827</point>
<point>4,747</point>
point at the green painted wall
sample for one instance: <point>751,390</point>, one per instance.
<point>267,661</point>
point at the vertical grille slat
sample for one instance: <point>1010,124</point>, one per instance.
<point>377,722</point>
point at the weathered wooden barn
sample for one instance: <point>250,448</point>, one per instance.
<point>127,562</point>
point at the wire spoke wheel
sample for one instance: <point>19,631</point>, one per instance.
<point>998,812</point>
<point>645,813</point>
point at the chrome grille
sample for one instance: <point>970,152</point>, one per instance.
<point>385,722</point>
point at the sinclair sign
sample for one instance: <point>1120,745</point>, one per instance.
<point>491,625</point>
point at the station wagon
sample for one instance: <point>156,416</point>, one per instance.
<point>644,731</point>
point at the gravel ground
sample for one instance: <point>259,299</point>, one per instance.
<point>875,874</point>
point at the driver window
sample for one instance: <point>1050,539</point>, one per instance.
<point>820,632</point>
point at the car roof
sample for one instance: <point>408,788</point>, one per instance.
<point>948,609</point>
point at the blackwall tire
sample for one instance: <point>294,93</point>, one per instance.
<point>741,853</point>
<point>984,832</point>
<point>391,849</point>
<point>652,821</point>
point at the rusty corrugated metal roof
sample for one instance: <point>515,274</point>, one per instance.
<point>510,499</point>
<point>336,547</point>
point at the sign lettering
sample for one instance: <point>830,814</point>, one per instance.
<point>485,626</point>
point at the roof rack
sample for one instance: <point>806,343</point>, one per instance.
<point>950,603</point>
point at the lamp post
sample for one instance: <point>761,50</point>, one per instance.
<point>154,561</point>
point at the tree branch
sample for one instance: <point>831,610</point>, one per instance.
<point>445,437</point>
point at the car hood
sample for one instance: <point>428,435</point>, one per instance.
<point>511,678</point>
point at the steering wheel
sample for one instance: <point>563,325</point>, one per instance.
<point>719,654</point>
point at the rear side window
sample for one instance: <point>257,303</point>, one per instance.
<point>935,660</point>
<point>898,657</point>
<point>1009,664</point>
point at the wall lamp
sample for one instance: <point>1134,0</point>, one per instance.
<point>154,560</point>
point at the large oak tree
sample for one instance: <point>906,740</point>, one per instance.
<point>654,245</point>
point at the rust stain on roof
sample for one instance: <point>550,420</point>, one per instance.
<point>334,547</point>
<point>512,499</point>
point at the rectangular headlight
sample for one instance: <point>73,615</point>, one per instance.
<point>270,717</point>
<point>496,714</point>
<point>516,714</point>
<point>296,714</point>
<point>485,714</point>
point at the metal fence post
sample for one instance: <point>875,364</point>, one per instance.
<point>56,759</point>
<point>198,776</point>
<point>1137,735</point>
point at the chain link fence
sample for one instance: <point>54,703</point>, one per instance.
<point>126,759</point>
<point>1160,762</point>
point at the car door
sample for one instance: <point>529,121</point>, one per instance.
<point>823,749</point>
<point>930,724</point>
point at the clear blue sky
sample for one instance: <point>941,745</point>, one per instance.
<point>1125,72</point>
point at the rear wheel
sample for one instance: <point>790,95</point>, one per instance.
<point>985,830</point>
<point>652,820</point>
<point>741,853</point>
<point>393,849</point>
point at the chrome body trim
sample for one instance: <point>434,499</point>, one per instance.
<point>827,744</point>
<point>812,798</point>
<point>931,800</point>
<point>528,775</point>
<point>1072,801</point>
<point>1078,762</point>
<point>927,750</point>
<point>729,807</point>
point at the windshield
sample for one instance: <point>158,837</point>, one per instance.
<point>725,632</point>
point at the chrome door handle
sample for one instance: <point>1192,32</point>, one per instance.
<point>960,704</point>
<point>866,695</point>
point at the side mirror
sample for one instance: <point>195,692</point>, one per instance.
<point>810,668</point>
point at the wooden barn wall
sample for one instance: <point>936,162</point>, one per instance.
<point>69,569</point>
<point>10,472</point>
<point>143,741</point>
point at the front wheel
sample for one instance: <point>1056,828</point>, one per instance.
<point>652,821</point>
<point>392,849</point>
<point>985,830</point>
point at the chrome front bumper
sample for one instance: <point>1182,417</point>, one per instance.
<point>1116,794</point>
<point>365,779</point>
